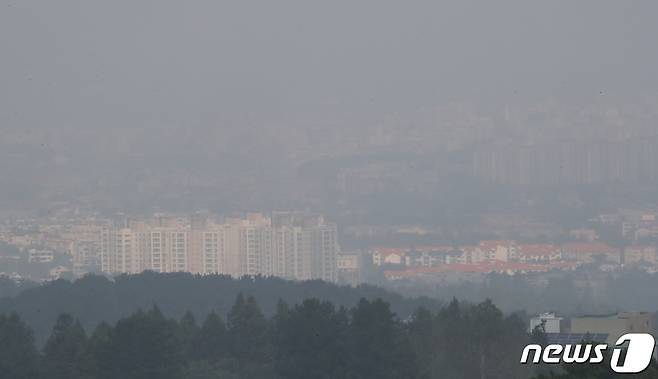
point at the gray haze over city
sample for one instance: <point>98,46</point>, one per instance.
<point>246,105</point>
<point>424,123</point>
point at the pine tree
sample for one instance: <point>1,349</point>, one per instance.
<point>310,341</point>
<point>380,347</point>
<point>97,358</point>
<point>63,352</point>
<point>189,331</point>
<point>146,345</point>
<point>19,358</point>
<point>423,341</point>
<point>211,344</point>
<point>249,339</point>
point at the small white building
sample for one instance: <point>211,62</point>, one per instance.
<point>348,262</point>
<point>40,256</point>
<point>56,272</point>
<point>388,256</point>
<point>349,268</point>
<point>550,321</point>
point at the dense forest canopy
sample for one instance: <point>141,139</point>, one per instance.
<point>94,299</point>
<point>312,339</point>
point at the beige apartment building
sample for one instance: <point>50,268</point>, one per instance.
<point>615,325</point>
<point>290,245</point>
<point>637,255</point>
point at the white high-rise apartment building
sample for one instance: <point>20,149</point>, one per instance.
<point>306,246</point>
<point>212,248</point>
<point>133,250</point>
<point>324,251</point>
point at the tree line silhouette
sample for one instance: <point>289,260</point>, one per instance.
<point>312,339</point>
<point>301,336</point>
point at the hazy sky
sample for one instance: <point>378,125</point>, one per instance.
<point>162,62</point>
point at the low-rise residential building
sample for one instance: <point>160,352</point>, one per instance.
<point>503,251</point>
<point>40,256</point>
<point>539,253</point>
<point>383,256</point>
<point>589,252</point>
<point>473,255</point>
<point>586,235</point>
<point>646,233</point>
<point>429,256</point>
<point>349,267</point>
<point>637,255</point>
<point>57,272</point>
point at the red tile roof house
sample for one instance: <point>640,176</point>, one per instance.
<point>383,256</point>
<point>504,250</point>
<point>484,268</point>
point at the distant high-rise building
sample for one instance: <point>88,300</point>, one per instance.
<point>568,162</point>
<point>85,256</point>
